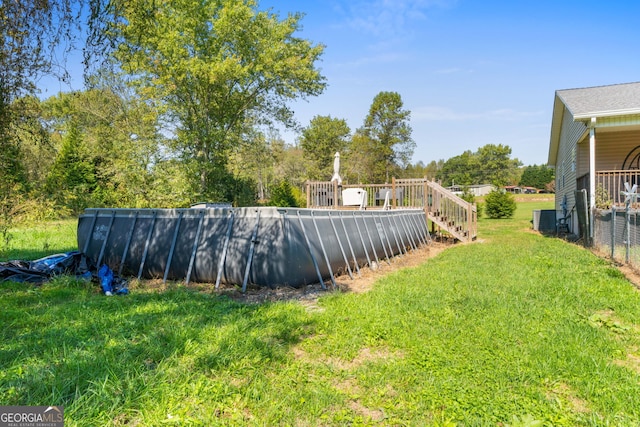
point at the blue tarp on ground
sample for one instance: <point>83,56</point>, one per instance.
<point>43,269</point>
<point>71,263</point>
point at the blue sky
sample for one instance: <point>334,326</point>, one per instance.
<point>472,72</point>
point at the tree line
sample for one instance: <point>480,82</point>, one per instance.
<point>180,105</point>
<point>493,164</point>
<point>100,148</point>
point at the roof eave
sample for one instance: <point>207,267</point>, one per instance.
<point>556,125</point>
<point>600,114</point>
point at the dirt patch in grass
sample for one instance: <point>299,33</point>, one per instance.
<point>364,355</point>
<point>309,294</point>
<point>350,386</point>
<point>632,361</point>
<point>562,392</point>
<point>369,276</point>
<point>372,414</point>
<point>607,319</point>
<point>631,274</point>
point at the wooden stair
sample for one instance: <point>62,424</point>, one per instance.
<point>451,213</point>
<point>449,226</point>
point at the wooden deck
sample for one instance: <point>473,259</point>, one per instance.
<point>443,209</point>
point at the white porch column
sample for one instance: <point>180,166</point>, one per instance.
<point>592,173</point>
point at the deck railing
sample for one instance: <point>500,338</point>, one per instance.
<point>441,206</point>
<point>610,185</point>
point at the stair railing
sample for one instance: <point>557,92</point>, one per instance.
<point>454,214</point>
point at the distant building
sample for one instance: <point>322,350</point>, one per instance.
<point>512,189</point>
<point>456,189</point>
<point>530,190</point>
<point>476,189</point>
<point>481,189</point>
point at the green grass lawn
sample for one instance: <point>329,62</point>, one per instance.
<point>29,243</point>
<point>517,329</point>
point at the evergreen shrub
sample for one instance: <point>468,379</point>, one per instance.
<point>499,204</point>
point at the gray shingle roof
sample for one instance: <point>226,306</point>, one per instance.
<point>602,101</point>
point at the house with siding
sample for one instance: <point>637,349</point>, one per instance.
<point>478,190</point>
<point>595,147</point>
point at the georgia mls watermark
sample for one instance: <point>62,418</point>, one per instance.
<point>31,416</point>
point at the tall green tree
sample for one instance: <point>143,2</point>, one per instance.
<point>72,179</point>
<point>252,158</point>
<point>30,31</point>
<point>362,164</point>
<point>37,152</point>
<point>282,195</point>
<point>33,33</point>
<point>122,140</point>
<point>416,170</point>
<point>537,176</point>
<point>420,170</point>
<point>432,168</point>
<point>212,65</point>
<point>264,159</point>
<point>386,136</point>
<point>460,170</point>
<point>12,173</point>
<point>491,164</point>
<point>496,165</point>
<point>289,164</point>
<point>320,141</point>
<point>500,204</point>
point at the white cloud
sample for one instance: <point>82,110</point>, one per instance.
<point>388,18</point>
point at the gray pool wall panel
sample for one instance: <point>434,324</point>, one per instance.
<point>159,243</point>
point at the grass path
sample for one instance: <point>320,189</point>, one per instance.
<point>517,329</point>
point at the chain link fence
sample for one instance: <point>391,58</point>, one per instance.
<point>616,232</point>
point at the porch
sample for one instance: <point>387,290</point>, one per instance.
<point>609,186</point>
